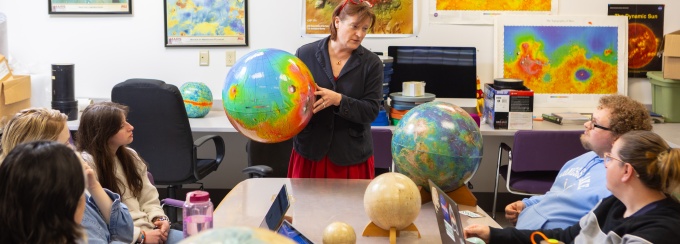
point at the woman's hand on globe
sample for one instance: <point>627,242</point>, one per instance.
<point>326,98</point>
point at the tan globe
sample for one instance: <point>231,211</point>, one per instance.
<point>339,233</point>
<point>392,200</point>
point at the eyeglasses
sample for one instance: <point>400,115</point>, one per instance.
<point>595,125</point>
<point>608,158</point>
<point>355,2</point>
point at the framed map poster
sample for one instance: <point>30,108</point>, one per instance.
<point>568,61</point>
<point>206,23</point>
<point>89,6</point>
<point>483,12</point>
<point>393,18</point>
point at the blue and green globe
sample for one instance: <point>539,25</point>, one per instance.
<point>198,99</point>
<point>437,141</point>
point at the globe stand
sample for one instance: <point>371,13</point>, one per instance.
<point>373,230</point>
<point>462,195</point>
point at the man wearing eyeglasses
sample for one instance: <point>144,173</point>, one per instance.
<point>581,183</point>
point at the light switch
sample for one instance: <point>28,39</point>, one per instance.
<point>231,57</point>
<point>204,58</point>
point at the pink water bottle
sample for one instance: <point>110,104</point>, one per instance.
<point>197,213</point>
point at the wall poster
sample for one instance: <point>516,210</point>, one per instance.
<point>394,18</point>
<point>482,12</point>
<point>645,33</point>
<point>568,61</point>
<point>206,23</point>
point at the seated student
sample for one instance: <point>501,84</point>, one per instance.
<point>580,183</point>
<point>37,204</point>
<point>103,136</point>
<point>106,219</point>
<point>642,171</point>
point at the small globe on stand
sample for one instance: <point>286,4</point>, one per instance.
<point>437,141</point>
<point>339,233</point>
<point>268,95</point>
<point>392,200</point>
<point>197,98</point>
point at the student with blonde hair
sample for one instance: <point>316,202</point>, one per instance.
<point>642,173</point>
<point>34,124</point>
<point>106,219</point>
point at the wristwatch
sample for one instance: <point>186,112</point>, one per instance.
<point>161,218</point>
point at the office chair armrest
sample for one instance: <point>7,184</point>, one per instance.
<point>258,171</point>
<point>505,147</point>
<point>172,203</point>
<point>219,149</point>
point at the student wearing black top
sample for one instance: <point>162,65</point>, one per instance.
<point>642,174</point>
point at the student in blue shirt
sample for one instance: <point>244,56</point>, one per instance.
<point>641,172</point>
<point>580,184</point>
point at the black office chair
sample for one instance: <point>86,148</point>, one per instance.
<point>163,135</point>
<point>268,159</point>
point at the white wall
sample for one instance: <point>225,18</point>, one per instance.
<point>107,49</point>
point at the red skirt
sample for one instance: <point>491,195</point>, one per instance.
<point>300,167</point>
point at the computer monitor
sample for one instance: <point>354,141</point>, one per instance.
<point>448,72</point>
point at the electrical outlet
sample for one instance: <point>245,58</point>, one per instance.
<point>203,58</point>
<point>231,57</point>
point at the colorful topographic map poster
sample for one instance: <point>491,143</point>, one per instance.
<point>562,59</point>
<point>393,17</point>
<point>564,55</point>
<point>90,6</point>
<point>483,11</point>
<point>206,23</point>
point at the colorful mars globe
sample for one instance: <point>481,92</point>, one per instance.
<point>437,141</point>
<point>268,95</point>
<point>198,99</point>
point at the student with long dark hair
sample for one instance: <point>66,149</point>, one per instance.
<point>41,194</point>
<point>106,219</point>
<point>103,136</point>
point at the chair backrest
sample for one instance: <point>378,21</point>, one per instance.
<point>382,147</point>
<point>274,155</point>
<point>162,134</point>
<point>536,150</point>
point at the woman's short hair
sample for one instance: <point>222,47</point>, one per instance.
<point>41,184</point>
<point>31,125</point>
<point>657,164</point>
<point>360,8</point>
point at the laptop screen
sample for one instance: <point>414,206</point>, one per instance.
<point>277,211</point>
<point>448,217</point>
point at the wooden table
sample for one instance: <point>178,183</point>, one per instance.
<point>318,202</point>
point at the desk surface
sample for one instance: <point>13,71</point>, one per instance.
<point>317,203</point>
<point>216,121</point>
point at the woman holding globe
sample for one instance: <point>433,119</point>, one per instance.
<point>337,141</point>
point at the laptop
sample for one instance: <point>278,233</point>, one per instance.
<point>274,217</point>
<point>448,217</point>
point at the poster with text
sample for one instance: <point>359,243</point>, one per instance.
<point>394,18</point>
<point>483,12</point>
<point>645,35</point>
<point>566,60</point>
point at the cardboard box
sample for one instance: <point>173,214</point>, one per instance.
<point>508,109</point>
<point>15,95</point>
<point>5,72</point>
<point>671,56</point>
